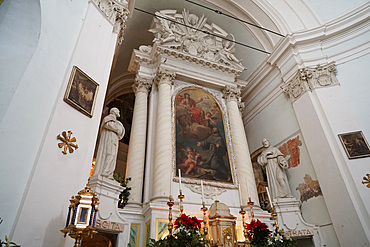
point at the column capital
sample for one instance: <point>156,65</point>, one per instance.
<point>117,13</point>
<point>165,76</point>
<point>308,79</point>
<point>142,84</point>
<point>232,93</point>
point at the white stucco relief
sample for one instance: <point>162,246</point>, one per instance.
<point>117,13</point>
<point>307,79</point>
<point>184,34</point>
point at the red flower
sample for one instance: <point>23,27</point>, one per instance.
<point>187,221</point>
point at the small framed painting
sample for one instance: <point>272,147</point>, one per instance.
<point>81,92</point>
<point>355,144</point>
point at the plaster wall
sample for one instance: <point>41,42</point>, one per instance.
<point>329,10</point>
<point>43,211</point>
<point>278,123</point>
<point>25,17</point>
<point>35,84</point>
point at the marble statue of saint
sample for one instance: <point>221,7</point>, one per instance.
<point>275,164</point>
<point>112,131</point>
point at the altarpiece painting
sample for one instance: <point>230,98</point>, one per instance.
<point>201,146</point>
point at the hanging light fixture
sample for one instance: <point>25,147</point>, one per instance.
<point>82,215</point>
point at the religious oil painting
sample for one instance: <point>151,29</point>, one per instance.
<point>201,147</point>
<point>81,92</point>
<point>355,144</point>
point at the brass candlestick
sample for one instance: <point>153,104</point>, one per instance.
<point>250,204</point>
<point>242,212</point>
<point>170,204</point>
<point>205,228</point>
<point>273,214</point>
<point>181,197</point>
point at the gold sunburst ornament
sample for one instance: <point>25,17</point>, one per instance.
<point>366,180</point>
<point>67,142</point>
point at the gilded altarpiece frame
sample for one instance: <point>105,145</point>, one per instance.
<point>202,141</point>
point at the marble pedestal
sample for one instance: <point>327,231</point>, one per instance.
<point>290,220</point>
<point>108,218</point>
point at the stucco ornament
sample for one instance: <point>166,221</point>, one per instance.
<point>275,164</point>
<point>67,142</point>
<point>191,34</point>
<point>117,13</point>
<point>112,131</point>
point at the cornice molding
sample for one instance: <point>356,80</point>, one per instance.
<point>340,40</point>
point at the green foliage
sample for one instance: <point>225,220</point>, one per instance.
<point>7,243</point>
<point>123,197</point>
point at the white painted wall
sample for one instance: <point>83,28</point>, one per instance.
<point>329,10</point>
<point>37,81</point>
<point>72,34</point>
<point>25,17</point>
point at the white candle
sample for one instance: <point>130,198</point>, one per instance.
<point>216,194</point>
<point>201,185</point>
<point>268,194</point>
<point>240,195</point>
<point>171,182</point>
<point>180,179</point>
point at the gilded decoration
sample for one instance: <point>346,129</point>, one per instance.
<point>67,142</point>
<point>366,180</point>
<point>202,151</point>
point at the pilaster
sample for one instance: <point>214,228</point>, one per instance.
<point>116,11</point>
<point>323,112</point>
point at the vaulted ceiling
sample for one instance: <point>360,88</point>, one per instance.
<point>277,16</point>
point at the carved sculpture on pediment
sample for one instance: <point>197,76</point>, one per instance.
<point>188,33</point>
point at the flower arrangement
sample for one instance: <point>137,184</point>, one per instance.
<point>259,235</point>
<point>187,234</point>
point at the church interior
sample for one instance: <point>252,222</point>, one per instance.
<point>119,116</point>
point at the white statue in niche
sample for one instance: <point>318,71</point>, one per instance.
<point>275,164</point>
<point>112,131</point>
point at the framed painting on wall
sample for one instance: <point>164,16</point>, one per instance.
<point>81,92</point>
<point>201,144</point>
<point>355,144</point>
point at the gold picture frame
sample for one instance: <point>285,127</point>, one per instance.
<point>355,144</point>
<point>81,92</point>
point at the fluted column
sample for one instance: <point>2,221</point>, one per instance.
<point>163,142</point>
<point>240,145</point>
<point>136,151</point>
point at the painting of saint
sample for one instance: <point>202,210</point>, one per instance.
<point>81,91</point>
<point>201,148</point>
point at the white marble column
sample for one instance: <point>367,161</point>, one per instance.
<point>163,140</point>
<point>136,151</point>
<point>240,145</point>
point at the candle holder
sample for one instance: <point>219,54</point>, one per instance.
<point>170,204</point>
<point>250,204</point>
<point>205,228</point>
<point>274,214</point>
<point>242,212</point>
<point>181,197</point>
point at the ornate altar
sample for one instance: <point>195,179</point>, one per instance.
<point>222,225</point>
